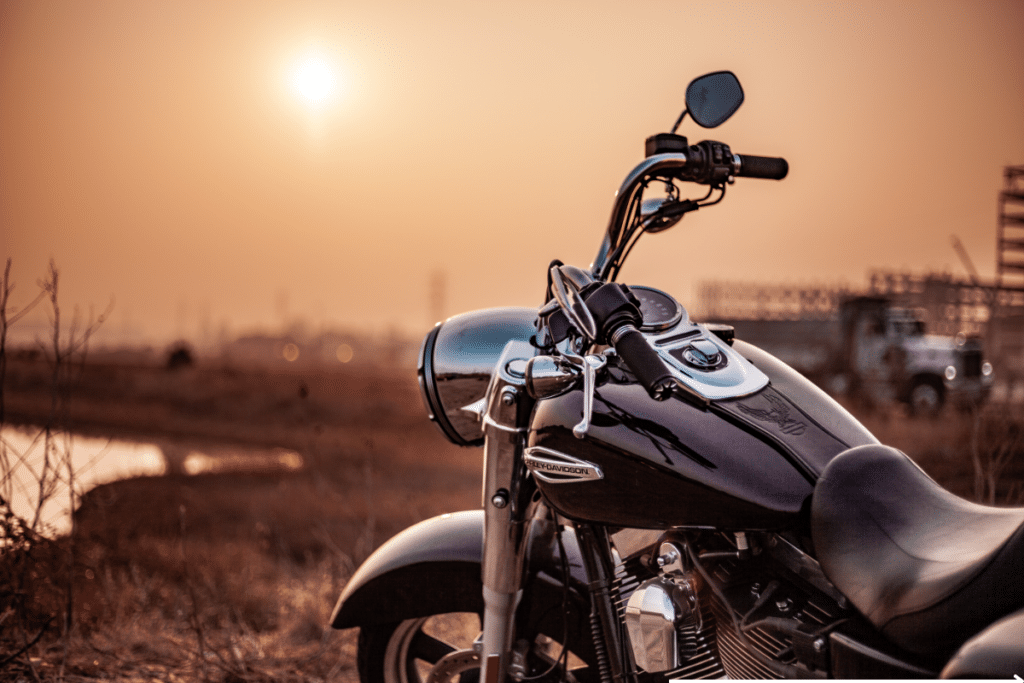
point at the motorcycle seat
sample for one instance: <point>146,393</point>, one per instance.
<point>926,567</point>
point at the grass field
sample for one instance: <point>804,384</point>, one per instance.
<point>232,577</point>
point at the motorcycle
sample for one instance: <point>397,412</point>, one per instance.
<point>662,500</point>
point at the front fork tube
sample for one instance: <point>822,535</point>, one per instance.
<point>506,497</point>
<point>505,533</point>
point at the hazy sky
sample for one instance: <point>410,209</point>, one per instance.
<point>162,155</point>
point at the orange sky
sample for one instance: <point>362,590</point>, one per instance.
<point>158,152</point>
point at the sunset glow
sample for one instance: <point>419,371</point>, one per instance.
<point>314,80</point>
<point>197,160</point>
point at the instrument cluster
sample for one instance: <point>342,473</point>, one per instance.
<point>659,310</point>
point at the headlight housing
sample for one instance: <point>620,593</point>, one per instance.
<point>455,364</point>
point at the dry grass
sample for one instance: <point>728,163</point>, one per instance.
<point>228,577</point>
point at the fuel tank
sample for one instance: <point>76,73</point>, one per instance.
<point>743,463</point>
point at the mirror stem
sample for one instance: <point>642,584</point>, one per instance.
<point>678,121</point>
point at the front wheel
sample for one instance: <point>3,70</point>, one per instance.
<point>439,648</point>
<point>408,651</point>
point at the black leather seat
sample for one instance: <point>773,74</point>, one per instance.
<point>927,568</point>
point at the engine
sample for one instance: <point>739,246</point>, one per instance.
<point>735,612</point>
<point>668,618</point>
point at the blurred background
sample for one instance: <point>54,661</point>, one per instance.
<point>254,211</point>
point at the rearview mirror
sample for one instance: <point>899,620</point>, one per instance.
<point>713,98</point>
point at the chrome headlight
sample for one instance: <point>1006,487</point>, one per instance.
<point>456,361</point>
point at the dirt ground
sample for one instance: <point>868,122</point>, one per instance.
<point>232,577</point>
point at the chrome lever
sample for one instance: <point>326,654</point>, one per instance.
<point>571,303</point>
<point>591,364</point>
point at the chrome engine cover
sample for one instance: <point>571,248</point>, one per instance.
<point>654,614</point>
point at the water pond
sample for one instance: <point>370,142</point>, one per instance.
<point>28,458</point>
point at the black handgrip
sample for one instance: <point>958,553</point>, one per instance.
<point>772,168</point>
<point>646,364</point>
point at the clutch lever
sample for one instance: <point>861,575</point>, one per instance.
<point>571,303</point>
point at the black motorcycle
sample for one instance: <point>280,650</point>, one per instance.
<point>661,500</point>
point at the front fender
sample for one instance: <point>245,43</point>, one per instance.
<point>401,579</point>
<point>396,581</point>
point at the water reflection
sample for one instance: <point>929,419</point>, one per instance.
<point>275,460</point>
<point>25,460</point>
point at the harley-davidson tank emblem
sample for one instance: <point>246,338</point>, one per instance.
<point>779,414</point>
<point>558,468</point>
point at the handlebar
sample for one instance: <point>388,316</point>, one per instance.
<point>643,361</point>
<point>707,162</point>
<point>713,163</point>
<point>616,312</point>
<point>770,168</point>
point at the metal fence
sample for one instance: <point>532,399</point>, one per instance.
<point>724,300</point>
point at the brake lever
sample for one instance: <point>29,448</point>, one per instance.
<point>591,365</point>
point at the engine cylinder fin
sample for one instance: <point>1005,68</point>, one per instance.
<point>736,659</point>
<point>771,646</point>
<point>738,663</point>
<point>819,614</point>
<point>748,655</point>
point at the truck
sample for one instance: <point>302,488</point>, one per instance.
<point>878,353</point>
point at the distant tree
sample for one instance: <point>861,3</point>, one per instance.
<point>180,355</point>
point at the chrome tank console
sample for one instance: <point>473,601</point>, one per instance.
<point>699,356</point>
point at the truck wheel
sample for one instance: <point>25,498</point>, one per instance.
<point>927,397</point>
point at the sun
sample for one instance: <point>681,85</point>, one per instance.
<point>314,80</point>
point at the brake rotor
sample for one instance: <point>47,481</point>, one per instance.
<point>453,664</point>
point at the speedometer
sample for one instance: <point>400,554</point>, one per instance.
<point>659,310</point>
